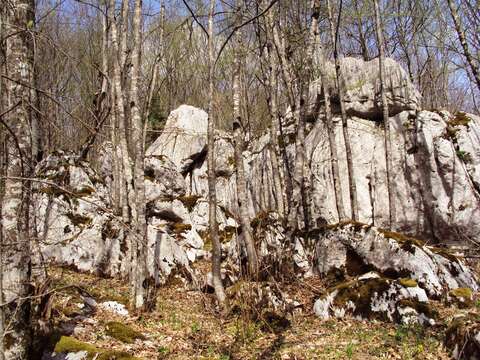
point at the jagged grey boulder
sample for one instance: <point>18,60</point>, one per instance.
<point>362,88</point>
<point>76,226</point>
<point>184,137</point>
<point>371,296</point>
<point>162,179</point>
<point>173,211</point>
<point>356,248</point>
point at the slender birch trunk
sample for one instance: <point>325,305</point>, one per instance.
<point>3,170</point>
<point>139,240</point>
<point>388,143</point>
<point>126,176</point>
<point>296,103</point>
<point>346,136</point>
<point>320,60</point>
<point>238,137</point>
<point>463,41</point>
<point>212,196</point>
<point>155,70</point>
<point>275,127</point>
<point>280,195</point>
<point>20,16</point>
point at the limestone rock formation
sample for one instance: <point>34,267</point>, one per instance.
<point>371,296</point>
<point>435,193</point>
<point>76,225</point>
<point>353,249</point>
<point>162,179</point>
<point>183,139</point>
<point>362,88</point>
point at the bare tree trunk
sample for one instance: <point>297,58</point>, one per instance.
<point>388,143</point>
<point>238,137</point>
<point>359,23</point>
<point>296,103</point>
<point>156,67</point>
<point>463,41</point>
<point>212,195</point>
<point>16,199</point>
<point>275,128</point>
<point>320,60</point>
<point>126,175</point>
<point>274,132</point>
<point>346,136</point>
<point>139,241</point>
<point>3,170</point>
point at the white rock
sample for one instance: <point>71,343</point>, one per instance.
<point>183,138</point>
<point>115,307</point>
<point>362,84</point>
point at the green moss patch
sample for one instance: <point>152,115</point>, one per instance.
<point>179,228</point>
<point>360,292</point>
<point>462,297</point>
<point>406,282</point>
<point>123,332</point>
<point>420,307</point>
<point>462,292</point>
<point>460,119</point>
<point>68,344</point>
<point>407,243</point>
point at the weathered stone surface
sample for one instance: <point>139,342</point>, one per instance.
<point>463,337</point>
<point>76,226</point>
<point>183,139</point>
<point>354,249</point>
<point>162,179</point>
<point>173,211</point>
<point>435,193</point>
<point>371,296</point>
<point>362,88</point>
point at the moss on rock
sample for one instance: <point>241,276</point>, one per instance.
<point>420,307</point>
<point>407,282</point>
<point>189,201</point>
<point>462,297</point>
<point>179,228</point>
<point>461,119</point>
<point>360,293</point>
<point>68,344</point>
<point>123,332</point>
<point>407,243</point>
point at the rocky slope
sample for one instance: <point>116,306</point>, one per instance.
<point>437,180</point>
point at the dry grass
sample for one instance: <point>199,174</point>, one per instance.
<point>185,326</point>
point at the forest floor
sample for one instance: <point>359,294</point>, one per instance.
<point>184,325</point>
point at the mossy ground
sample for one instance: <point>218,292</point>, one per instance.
<point>185,326</point>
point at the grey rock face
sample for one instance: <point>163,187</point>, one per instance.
<point>362,88</point>
<point>372,297</point>
<point>162,179</point>
<point>76,226</point>
<point>183,139</point>
<point>354,249</point>
<point>435,193</point>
